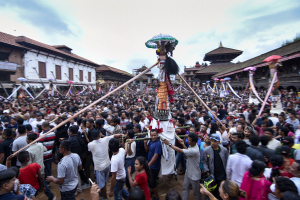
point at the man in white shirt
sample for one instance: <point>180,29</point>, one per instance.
<point>246,113</point>
<point>143,121</point>
<point>118,170</point>
<point>39,120</point>
<point>108,127</point>
<point>238,163</point>
<point>274,118</point>
<point>273,143</point>
<point>99,149</point>
<point>201,119</point>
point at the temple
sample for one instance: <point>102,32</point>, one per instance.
<point>220,59</point>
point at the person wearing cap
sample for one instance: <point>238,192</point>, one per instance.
<point>7,186</point>
<point>6,118</point>
<point>288,141</point>
<point>215,161</point>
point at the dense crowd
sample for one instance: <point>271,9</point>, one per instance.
<point>247,156</point>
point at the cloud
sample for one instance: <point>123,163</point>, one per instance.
<point>114,32</point>
<point>39,15</point>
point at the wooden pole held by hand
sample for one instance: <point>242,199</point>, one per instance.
<point>86,108</point>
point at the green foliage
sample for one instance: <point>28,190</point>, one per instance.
<point>297,38</point>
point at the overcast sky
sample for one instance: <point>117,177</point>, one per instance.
<point>114,32</point>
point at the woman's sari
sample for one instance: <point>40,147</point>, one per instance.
<point>255,189</point>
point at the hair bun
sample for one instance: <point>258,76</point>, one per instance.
<point>242,193</point>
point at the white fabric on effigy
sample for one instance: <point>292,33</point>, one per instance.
<point>168,154</point>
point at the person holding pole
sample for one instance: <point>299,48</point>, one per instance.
<point>193,171</point>
<point>67,172</point>
<point>154,148</point>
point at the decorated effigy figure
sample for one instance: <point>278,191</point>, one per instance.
<point>163,122</point>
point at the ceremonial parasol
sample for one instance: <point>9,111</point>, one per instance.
<point>271,58</point>
<point>227,79</point>
<point>222,80</point>
<point>51,79</point>
<point>22,79</point>
<point>216,79</point>
<point>155,41</point>
<point>71,82</point>
<point>250,69</point>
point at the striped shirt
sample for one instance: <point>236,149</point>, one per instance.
<point>48,142</point>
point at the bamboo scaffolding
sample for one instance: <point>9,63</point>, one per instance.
<point>85,109</point>
<point>200,99</point>
<point>146,133</point>
<point>268,94</point>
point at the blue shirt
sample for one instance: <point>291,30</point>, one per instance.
<point>6,120</point>
<point>154,147</point>
<point>14,126</point>
<point>202,148</point>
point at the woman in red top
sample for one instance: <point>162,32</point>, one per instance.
<point>285,152</point>
<point>141,176</point>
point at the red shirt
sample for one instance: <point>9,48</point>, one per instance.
<point>28,175</point>
<point>142,180</point>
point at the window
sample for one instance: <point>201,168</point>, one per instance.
<point>80,75</point>
<point>89,77</point>
<point>42,70</point>
<point>188,72</point>
<point>58,72</point>
<point>71,74</point>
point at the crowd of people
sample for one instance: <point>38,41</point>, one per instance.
<point>246,156</point>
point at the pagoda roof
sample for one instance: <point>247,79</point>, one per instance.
<point>102,68</point>
<point>222,51</point>
<point>214,68</point>
<point>284,51</point>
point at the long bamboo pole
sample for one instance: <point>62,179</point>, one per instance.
<point>268,94</point>
<point>86,108</point>
<point>253,87</point>
<point>57,118</point>
<point>200,99</point>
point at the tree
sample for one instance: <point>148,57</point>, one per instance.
<point>297,38</point>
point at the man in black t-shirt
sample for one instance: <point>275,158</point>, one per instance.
<point>215,161</point>
<point>99,126</point>
<point>6,145</point>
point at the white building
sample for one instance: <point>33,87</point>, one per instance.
<point>42,62</point>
